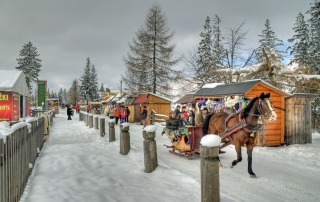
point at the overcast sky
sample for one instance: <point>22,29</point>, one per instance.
<point>66,32</point>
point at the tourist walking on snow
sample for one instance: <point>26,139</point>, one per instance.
<point>69,112</point>
<point>117,114</point>
<point>128,114</point>
<point>144,115</point>
<point>123,114</point>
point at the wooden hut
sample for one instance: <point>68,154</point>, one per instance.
<point>14,96</point>
<point>159,104</point>
<point>298,119</point>
<point>273,132</point>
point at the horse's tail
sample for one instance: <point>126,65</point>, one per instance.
<point>206,123</point>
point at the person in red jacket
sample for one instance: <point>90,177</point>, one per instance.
<point>77,108</point>
<point>117,114</point>
<point>123,114</point>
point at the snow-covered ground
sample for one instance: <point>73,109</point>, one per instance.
<point>76,164</point>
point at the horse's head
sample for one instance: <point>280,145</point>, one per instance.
<point>265,107</point>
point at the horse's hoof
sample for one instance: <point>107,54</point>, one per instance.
<point>231,166</point>
<point>253,176</point>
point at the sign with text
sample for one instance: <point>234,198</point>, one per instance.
<point>6,106</point>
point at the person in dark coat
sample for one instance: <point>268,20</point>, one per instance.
<point>177,112</point>
<point>144,115</point>
<point>69,112</point>
<point>128,114</point>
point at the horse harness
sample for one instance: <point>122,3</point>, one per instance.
<point>241,125</point>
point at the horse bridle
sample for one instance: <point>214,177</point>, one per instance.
<point>264,113</point>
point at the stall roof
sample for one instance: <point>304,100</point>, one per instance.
<point>13,80</point>
<point>233,88</point>
<point>141,98</point>
<point>185,99</point>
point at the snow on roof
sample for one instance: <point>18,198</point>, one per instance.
<point>13,80</point>
<point>211,85</point>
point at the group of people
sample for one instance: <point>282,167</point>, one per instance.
<point>179,120</point>
<point>118,112</point>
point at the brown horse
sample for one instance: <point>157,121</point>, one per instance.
<point>241,128</point>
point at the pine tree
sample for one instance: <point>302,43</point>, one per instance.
<point>300,39</point>
<point>150,60</point>
<point>102,88</point>
<point>314,42</point>
<point>218,51</point>
<point>85,81</point>
<point>94,84</point>
<point>64,95</point>
<point>268,41</point>
<point>29,63</point>
<point>74,93</point>
<point>60,96</point>
<point>205,61</point>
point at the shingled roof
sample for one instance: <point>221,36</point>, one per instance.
<point>232,89</point>
<point>185,99</point>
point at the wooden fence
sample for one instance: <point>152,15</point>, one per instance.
<point>154,117</point>
<point>17,153</point>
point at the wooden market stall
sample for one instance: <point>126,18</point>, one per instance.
<point>273,132</point>
<point>14,96</point>
<point>159,104</point>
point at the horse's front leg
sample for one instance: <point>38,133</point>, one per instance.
<point>249,152</point>
<point>239,156</point>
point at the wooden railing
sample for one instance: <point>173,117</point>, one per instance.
<point>154,117</point>
<point>18,154</point>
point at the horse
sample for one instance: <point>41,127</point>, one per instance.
<point>240,128</point>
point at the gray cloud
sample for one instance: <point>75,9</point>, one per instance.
<point>67,32</point>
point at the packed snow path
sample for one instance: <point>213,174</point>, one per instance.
<point>76,164</point>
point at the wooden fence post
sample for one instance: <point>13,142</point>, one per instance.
<point>112,135</point>
<point>124,139</point>
<point>91,121</point>
<point>87,119</point>
<point>150,151</point>
<point>96,122</point>
<point>80,116</point>
<point>210,185</point>
<point>102,127</point>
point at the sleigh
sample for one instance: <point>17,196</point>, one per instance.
<point>186,146</point>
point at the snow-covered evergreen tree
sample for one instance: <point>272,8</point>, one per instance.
<point>94,84</point>
<point>205,61</point>
<point>314,42</point>
<point>149,62</point>
<point>268,40</point>
<point>299,48</point>
<point>29,63</point>
<point>85,82</point>
<point>218,51</point>
<point>102,88</point>
<point>60,96</point>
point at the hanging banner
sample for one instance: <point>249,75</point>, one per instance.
<point>42,90</point>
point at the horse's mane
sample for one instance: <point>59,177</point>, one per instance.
<point>206,121</point>
<point>248,107</point>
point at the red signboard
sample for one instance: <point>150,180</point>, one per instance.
<point>6,106</point>
<point>9,106</point>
